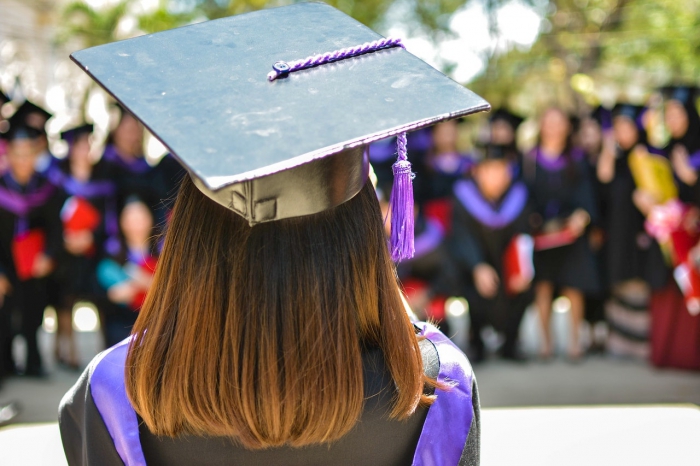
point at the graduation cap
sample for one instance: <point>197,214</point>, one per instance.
<point>3,99</point>
<point>19,129</point>
<point>284,143</point>
<point>603,116</point>
<point>505,115</point>
<point>492,151</point>
<point>72,135</point>
<point>33,115</point>
<point>632,112</point>
<point>686,95</point>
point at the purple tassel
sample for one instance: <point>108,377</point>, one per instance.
<point>402,205</point>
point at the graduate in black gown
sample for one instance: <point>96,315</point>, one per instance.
<point>630,253</point>
<point>89,217</point>
<point>30,240</point>
<point>274,331</point>
<point>503,131</point>
<point>683,149</point>
<point>427,278</point>
<point>490,210</point>
<point>47,165</point>
<point>133,174</point>
<point>125,274</point>
<point>562,193</point>
<point>591,130</point>
<point>675,340</point>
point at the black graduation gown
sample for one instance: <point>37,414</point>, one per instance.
<point>29,296</point>
<point>557,189</point>
<point>76,274</point>
<point>481,233</point>
<point>629,251</point>
<point>155,185</point>
<point>431,255</point>
<point>375,439</point>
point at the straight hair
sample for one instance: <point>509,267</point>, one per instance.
<point>257,333</point>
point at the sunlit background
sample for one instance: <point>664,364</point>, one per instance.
<point>525,54</point>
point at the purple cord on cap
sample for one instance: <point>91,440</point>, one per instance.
<point>402,218</point>
<point>281,69</point>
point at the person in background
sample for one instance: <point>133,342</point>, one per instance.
<point>90,226</point>
<point>444,165</point>
<point>675,329</point>
<point>134,176</point>
<point>503,128</point>
<point>558,179</point>
<point>427,277</point>
<point>683,149</point>
<point>589,137</point>
<point>491,211</point>
<point>30,238</point>
<point>47,165</point>
<point>127,275</point>
<point>36,117</point>
<point>630,251</point>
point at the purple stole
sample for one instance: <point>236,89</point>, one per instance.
<point>441,442</point>
<point>494,217</point>
<point>429,239</point>
<point>21,204</point>
<point>137,166</point>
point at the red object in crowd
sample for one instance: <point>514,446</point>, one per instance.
<point>146,267</point>
<point>440,210</point>
<point>688,280</point>
<point>554,239</point>
<point>25,249</point>
<point>517,262</point>
<point>435,310</point>
<point>78,214</point>
<point>675,333</point>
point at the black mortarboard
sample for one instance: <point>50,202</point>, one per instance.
<point>19,129</point>
<point>603,116</point>
<point>633,112</point>
<point>492,151</point>
<point>3,98</point>
<point>272,149</point>
<point>507,116</point>
<point>71,135</point>
<point>687,95</point>
<point>33,115</point>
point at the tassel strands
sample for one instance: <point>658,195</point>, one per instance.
<point>402,216</point>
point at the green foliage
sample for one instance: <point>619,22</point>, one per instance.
<point>91,26</point>
<point>590,48</point>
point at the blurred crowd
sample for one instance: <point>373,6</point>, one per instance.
<point>79,228</point>
<point>592,212</point>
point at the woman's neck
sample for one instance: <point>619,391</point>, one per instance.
<point>126,154</point>
<point>552,149</point>
<point>80,171</point>
<point>136,244</point>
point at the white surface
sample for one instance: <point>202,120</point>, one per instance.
<point>600,436</point>
<point>572,436</point>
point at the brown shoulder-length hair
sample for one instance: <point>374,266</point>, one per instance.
<point>257,333</point>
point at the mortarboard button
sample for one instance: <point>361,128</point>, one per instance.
<point>281,69</point>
